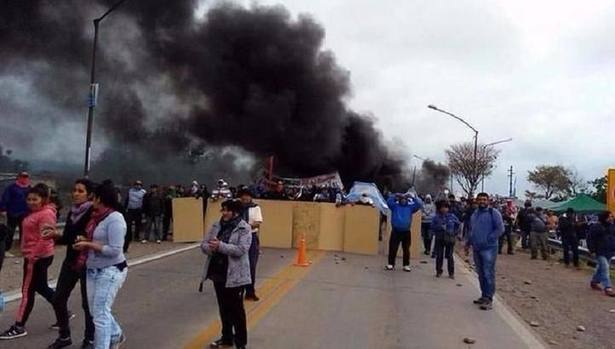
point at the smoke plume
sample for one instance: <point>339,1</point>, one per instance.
<point>433,177</point>
<point>255,78</point>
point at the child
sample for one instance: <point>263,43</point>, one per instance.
<point>445,227</point>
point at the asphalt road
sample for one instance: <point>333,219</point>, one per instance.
<point>334,303</point>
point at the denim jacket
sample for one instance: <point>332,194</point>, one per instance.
<point>447,224</point>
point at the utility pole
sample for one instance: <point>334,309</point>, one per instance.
<point>510,182</point>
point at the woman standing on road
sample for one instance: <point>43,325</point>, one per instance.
<point>445,228</point>
<point>73,268</point>
<point>38,255</point>
<point>106,264</point>
<point>227,244</point>
<point>602,243</point>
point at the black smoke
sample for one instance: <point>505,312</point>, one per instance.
<point>254,78</point>
<point>433,177</point>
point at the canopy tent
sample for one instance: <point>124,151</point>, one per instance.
<point>360,188</point>
<point>547,204</point>
<point>581,203</point>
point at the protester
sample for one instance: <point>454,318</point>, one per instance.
<point>13,204</point>
<point>552,223</point>
<point>455,206</point>
<point>222,191</point>
<point>602,244</point>
<point>227,246</point>
<point>508,215</point>
<point>568,232</point>
<point>253,216</point>
<point>106,265</point>
<point>445,228</point>
<point>323,195</point>
<point>195,189</point>
<point>427,213</point>
<point>153,207</point>
<point>279,193</point>
<point>538,234</point>
<point>171,193</point>
<point>486,228</point>
<point>524,224</point>
<point>73,268</point>
<point>364,200</point>
<point>402,207</point>
<point>37,253</point>
<point>134,213</point>
<point>471,207</point>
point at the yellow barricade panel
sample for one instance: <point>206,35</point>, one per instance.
<point>331,236</point>
<point>277,228</point>
<point>213,213</point>
<point>187,220</point>
<point>416,246</point>
<point>306,220</point>
<point>361,227</point>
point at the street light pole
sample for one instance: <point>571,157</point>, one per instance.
<point>475,160</point>
<point>482,181</point>
<point>94,91</point>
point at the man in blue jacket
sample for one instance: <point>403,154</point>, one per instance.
<point>13,203</point>
<point>402,207</point>
<point>485,229</point>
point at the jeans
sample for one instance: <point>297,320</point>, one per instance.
<point>34,281</point>
<point>426,235</point>
<point>66,283</point>
<point>103,286</point>
<point>539,240</point>
<point>445,250</point>
<point>525,239</point>
<point>403,238</point>
<point>232,314</point>
<point>571,244</point>
<point>484,259</point>
<point>601,276</point>
<point>133,216</point>
<point>253,254</point>
<point>154,225</point>
<point>508,238</point>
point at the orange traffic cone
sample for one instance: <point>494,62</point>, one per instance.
<point>301,253</point>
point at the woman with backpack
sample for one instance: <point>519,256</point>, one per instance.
<point>602,244</point>
<point>445,228</point>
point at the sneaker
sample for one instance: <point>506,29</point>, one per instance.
<point>60,343</point>
<point>252,297</point>
<point>451,276</point>
<point>480,301</point>
<point>595,286</point>
<point>389,267</point>
<point>158,242</point>
<point>487,305</point>
<point>14,332</point>
<point>87,344</point>
<point>438,275</point>
<point>221,343</point>
<point>609,292</point>
<point>56,326</point>
<point>144,241</point>
<point>407,268</point>
<point>119,343</point>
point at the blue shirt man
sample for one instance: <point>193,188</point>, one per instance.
<point>485,229</point>
<point>402,207</point>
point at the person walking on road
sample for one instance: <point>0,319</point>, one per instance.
<point>73,268</point>
<point>134,213</point>
<point>38,256</point>
<point>539,234</point>
<point>227,246</point>
<point>106,265</point>
<point>524,224</point>
<point>427,213</point>
<point>402,207</point>
<point>486,228</point>
<point>153,207</point>
<point>570,242</point>
<point>602,244</point>
<point>253,215</point>
<point>13,204</point>
<point>445,228</point>
<point>508,214</point>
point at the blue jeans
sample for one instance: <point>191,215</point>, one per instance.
<point>103,285</point>
<point>484,259</point>
<point>601,276</point>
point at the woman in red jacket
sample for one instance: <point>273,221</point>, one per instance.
<point>38,255</point>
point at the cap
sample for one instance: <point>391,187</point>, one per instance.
<point>23,174</point>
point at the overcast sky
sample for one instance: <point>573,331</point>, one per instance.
<point>540,72</point>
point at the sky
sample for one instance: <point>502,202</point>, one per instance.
<point>540,72</point>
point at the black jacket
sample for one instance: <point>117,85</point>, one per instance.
<point>71,231</point>
<point>602,240</point>
<point>568,227</point>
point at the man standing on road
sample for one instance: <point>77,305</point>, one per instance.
<point>427,213</point>
<point>508,214</point>
<point>134,213</point>
<point>13,203</point>
<point>486,228</point>
<point>153,205</point>
<point>253,216</point>
<point>524,223</point>
<point>570,242</point>
<point>538,235</point>
<point>402,207</point>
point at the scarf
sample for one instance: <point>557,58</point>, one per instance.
<point>78,211</point>
<point>23,182</point>
<point>97,217</point>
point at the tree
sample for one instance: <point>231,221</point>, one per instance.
<point>468,172</point>
<point>600,188</point>
<point>550,179</point>
<point>532,195</point>
<point>578,185</point>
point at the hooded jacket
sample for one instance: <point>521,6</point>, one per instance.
<point>486,227</point>
<point>13,200</point>
<point>401,214</point>
<point>33,246</point>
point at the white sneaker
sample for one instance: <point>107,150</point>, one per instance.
<point>158,242</point>
<point>144,241</point>
<point>407,268</point>
<point>389,267</point>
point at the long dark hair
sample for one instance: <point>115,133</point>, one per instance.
<point>88,184</point>
<point>107,194</point>
<point>48,195</point>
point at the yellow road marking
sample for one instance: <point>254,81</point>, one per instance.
<point>271,291</point>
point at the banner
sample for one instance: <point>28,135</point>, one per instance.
<point>610,190</point>
<point>326,180</point>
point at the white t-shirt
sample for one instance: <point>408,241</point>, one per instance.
<point>255,216</point>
